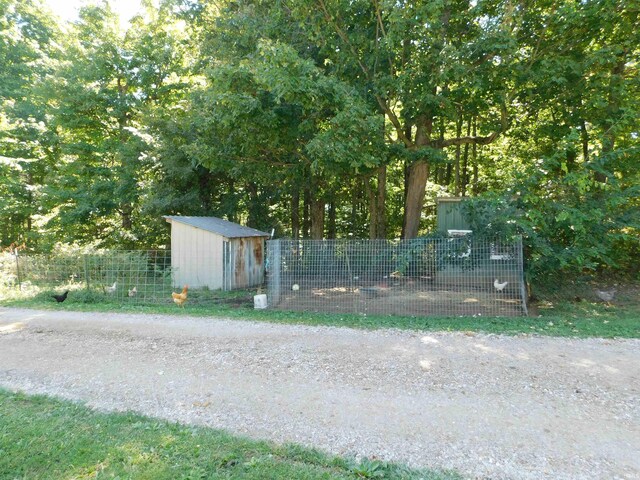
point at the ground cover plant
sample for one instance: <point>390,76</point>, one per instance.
<point>44,438</point>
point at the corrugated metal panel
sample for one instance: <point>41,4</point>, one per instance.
<point>245,262</point>
<point>450,215</point>
<point>218,226</point>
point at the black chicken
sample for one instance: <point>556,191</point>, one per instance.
<point>61,298</point>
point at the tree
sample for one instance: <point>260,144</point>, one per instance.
<point>427,65</point>
<point>107,90</point>
<point>267,113</point>
<point>27,145</point>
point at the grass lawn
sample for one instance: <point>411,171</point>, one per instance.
<point>558,317</point>
<point>44,438</point>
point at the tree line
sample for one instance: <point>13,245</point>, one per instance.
<point>325,119</point>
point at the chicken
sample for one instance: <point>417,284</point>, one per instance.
<point>499,286</point>
<point>605,295</point>
<point>180,298</point>
<point>111,290</point>
<point>61,298</point>
<point>132,292</point>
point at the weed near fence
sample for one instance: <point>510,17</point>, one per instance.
<point>115,276</point>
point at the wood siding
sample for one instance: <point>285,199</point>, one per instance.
<point>200,258</point>
<point>196,257</point>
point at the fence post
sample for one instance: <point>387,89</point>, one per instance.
<point>18,269</point>
<point>523,284</point>
<point>274,258</point>
<point>86,271</point>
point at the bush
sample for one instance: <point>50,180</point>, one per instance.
<point>570,224</point>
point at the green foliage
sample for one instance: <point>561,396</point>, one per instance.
<point>492,216</point>
<point>571,223</point>
<point>28,48</point>
<point>46,438</point>
<point>283,115</point>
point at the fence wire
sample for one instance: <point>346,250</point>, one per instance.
<point>421,277</point>
<point>118,276</point>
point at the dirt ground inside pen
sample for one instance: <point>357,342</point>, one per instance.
<point>487,406</point>
<point>401,301</point>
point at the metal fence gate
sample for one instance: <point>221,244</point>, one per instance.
<point>459,276</point>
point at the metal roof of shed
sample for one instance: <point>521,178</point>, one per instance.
<point>218,225</point>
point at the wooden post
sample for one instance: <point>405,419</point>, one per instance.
<point>86,271</point>
<point>18,269</point>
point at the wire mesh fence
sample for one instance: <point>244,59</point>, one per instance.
<point>119,276</point>
<point>420,277</point>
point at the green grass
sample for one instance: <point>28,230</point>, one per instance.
<point>558,317</point>
<point>44,438</point>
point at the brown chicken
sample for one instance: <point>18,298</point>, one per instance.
<point>180,298</point>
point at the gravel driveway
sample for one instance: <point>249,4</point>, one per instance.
<point>488,406</point>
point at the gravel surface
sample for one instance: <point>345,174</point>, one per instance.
<point>487,406</point>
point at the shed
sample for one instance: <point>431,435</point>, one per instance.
<point>450,215</point>
<point>486,258</point>
<point>214,253</point>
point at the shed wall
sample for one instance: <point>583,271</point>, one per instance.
<point>245,262</point>
<point>196,257</point>
<point>450,216</point>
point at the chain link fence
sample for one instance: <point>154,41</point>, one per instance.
<point>420,277</point>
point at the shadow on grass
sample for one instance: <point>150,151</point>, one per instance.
<point>43,438</point>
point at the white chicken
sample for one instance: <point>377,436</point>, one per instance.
<point>499,286</point>
<point>606,295</point>
<point>132,292</point>
<point>112,289</point>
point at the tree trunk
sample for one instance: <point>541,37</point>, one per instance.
<point>317,218</point>
<point>417,182</point>
<point>584,135</point>
<point>205,180</point>
<point>253,219</point>
<point>474,159</point>
<point>306,217</point>
<point>126,211</point>
<point>372,208</point>
<point>381,217</point>
<point>612,114</point>
<point>458,187</point>
<point>405,170</point>
<point>355,200</point>
<point>232,215</point>
<point>464,174</point>
<point>331,227</point>
<point>295,213</point>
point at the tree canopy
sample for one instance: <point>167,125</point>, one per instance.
<point>325,119</point>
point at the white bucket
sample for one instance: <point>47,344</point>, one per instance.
<point>260,301</point>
